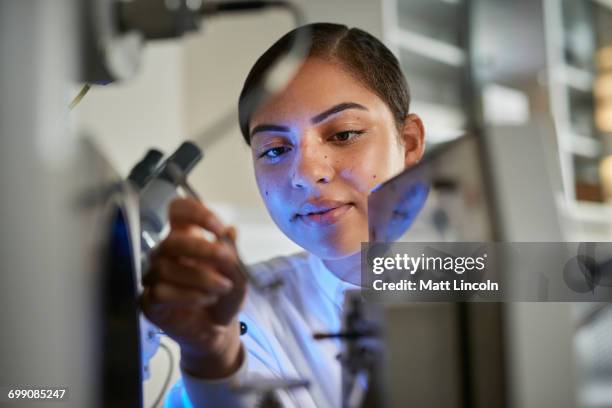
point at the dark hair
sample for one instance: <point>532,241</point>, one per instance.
<point>360,53</point>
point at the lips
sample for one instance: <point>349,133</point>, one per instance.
<point>324,212</point>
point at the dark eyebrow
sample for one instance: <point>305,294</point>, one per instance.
<point>314,120</point>
<point>336,109</point>
<point>269,128</point>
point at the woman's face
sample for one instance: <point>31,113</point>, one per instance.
<point>319,148</point>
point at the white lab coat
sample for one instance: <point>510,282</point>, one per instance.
<point>279,341</point>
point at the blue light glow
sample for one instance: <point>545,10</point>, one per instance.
<point>177,397</point>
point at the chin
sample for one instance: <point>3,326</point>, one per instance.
<point>332,245</point>
<point>331,250</point>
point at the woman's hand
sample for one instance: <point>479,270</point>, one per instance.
<point>193,291</point>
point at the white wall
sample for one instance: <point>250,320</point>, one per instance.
<point>125,119</point>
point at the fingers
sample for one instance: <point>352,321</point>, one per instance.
<point>179,244</point>
<point>168,295</point>
<point>192,275</point>
<point>231,233</point>
<point>186,212</point>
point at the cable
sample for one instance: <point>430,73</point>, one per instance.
<point>79,96</point>
<point>168,376</point>
<point>216,7</point>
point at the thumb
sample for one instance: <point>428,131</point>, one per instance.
<point>231,233</point>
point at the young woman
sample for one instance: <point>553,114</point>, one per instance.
<point>339,128</point>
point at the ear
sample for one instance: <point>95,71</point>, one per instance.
<point>413,136</point>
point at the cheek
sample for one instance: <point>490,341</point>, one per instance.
<point>265,184</point>
<point>372,166</point>
<point>270,189</point>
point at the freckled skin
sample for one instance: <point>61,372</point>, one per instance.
<point>317,163</point>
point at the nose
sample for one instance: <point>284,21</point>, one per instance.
<point>311,167</point>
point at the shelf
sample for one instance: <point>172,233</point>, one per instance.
<point>585,146</point>
<point>435,136</point>
<point>428,39</point>
<point>442,123</point>
<point>432,82</point>
<point>604,3</point>
<point>433,10</point>
<point>436,19</point>
<point>575,78</point>
<point>433,49</point>
<point>597,213</point>
<point>581,111</point>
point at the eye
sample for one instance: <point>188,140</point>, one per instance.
<point>346,135</point>
<point>274,152</point>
